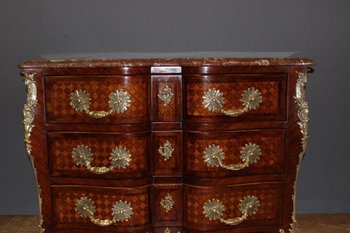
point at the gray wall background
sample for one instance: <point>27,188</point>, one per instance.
<point>320,29</point>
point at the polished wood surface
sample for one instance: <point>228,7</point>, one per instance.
<point>270,197</point>
<point>271,86</point>
<point>104,197</point>
<point>59,89</point>
<point>183,123</point>
<point>101,145</point>
<point>307,223</point>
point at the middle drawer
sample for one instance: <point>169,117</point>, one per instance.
<point>224,154</point>
<point>110,155</point>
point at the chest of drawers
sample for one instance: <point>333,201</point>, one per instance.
<point>166,145</point>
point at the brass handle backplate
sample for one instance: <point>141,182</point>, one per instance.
<point>165,94</point>
<point>214,101</point>
<point>166,150</point>
<point>167,202</point>
<point>120,158</point>
<point>214,155</point>
<point>214,209</point>
<point>119,102</point>
<point>121,211</point>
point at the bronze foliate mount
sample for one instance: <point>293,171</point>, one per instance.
<point>121,211</point>
<point>214,101</point>
<point>119,102</point>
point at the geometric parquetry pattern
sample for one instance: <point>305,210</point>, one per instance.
<point>58,92</point>
<point>101,145</point>
<point>271,143</point>
<point>232,94</point>
<point>104,200</point>
<point>269,197</point>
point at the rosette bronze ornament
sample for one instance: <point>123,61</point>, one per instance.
<point>214,101</point>
<point>214,155</point>
<point>214,209</point>
<point>119,102</point>
<point>121,211</point>
<point>120,158</point>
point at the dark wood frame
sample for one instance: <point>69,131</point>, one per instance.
<point>290,67</point>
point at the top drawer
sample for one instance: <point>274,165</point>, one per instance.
<point>233,97</point>
<point>97,99</point>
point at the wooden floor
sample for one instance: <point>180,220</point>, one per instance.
<point>325,223</point>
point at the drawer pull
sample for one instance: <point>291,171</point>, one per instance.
<point>213,209</point>
<point>120,158</point>
<point>119,102</point>
<point>121,211</point>
<point>214,154</point>
<point>166,150</point>
<point>214,101</point>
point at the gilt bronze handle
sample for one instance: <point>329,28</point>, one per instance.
<point>214,101</point>
<point>214,209</point>
<point>214,155</point>
<point>119,102</point>
<point>120,158</point>
<point>121,211</point>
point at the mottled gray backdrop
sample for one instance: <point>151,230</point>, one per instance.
<point>320,29</point>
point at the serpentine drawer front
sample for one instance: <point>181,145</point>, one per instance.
<point>99,155</point>
<point>167,145</point>
<point>96,99</point>
<point>230,153</point>
<point>110,208</point>
<point>229,206</point>
<point>257,96</point>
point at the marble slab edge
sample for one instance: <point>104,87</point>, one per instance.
<point>98,63</point>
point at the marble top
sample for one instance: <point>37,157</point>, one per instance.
<point>136,59</point>
<point>167,55</point>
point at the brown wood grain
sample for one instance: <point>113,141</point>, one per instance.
<point>186,124</point>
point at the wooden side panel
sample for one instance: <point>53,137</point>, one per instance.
<point>35,140</point>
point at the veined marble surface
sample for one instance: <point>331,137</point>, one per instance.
<point>168,55</point>
<point>220,58</point>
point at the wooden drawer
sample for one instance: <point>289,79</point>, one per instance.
<point>167,204</point>
<point>166,98</point>
<point>167,153</point>
<point>106,155</point>
<point>78,208</point>
<point>218,208</point>
<point>221,154</point>
<point>97,99</point>
<point>236,97</point>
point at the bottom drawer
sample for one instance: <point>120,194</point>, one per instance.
<point>98,209</point>
<point>233,207</point>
